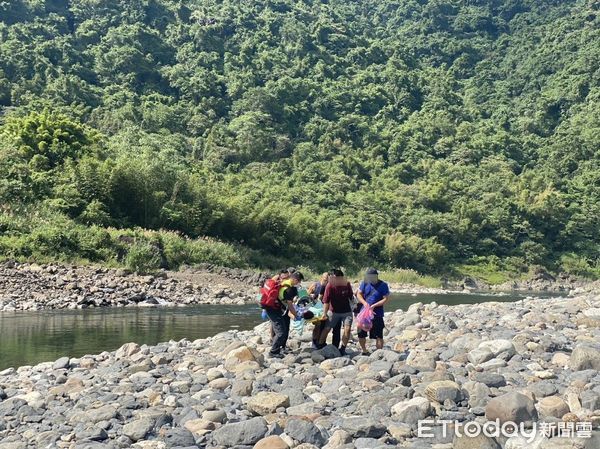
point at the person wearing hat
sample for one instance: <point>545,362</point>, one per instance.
<point>374,293</point>
<point>280,317</point>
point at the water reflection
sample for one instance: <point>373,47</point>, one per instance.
<point>32,337</point>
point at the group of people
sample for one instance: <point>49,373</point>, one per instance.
<point>331,304</point>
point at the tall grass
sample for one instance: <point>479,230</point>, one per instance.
<point>410,277</point>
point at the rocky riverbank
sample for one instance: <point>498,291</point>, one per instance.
<point>529,362</point>
<point>38,287</point>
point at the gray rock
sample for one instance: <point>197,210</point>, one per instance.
<point>178,437</point>
<point>543,388</point>
<point>585,357</point>
<point>422,360</point>
<point>478,356</point>
<point>219,416</point>
<point>491,379</point>
<point>514,407</point>
<point>304,432</point>
<point>371,443</point>
<point>553,406</point>
<point>10,406</point>
<point>241,388</point>
<point>306,408</point>
<point>62,363</point>
<point>247,432</point>
<point>478,442</point>
<point>138,429</point>
<point>92,445</point>
<point>103,413</point>
<point>92,433</point>
<point>442,390</point>
<point>479,393</point>
<point>362,426</point>
<point>590,400</point>
<point>412,411</point>
<point>328,352</point>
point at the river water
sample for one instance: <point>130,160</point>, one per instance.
<point>27,338</point>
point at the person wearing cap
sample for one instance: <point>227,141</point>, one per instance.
<point>280,317</point>
<point>280,277</point>
<point>374,293</point>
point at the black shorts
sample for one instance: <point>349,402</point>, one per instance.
<point>376,331</point>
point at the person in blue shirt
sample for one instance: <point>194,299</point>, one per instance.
<point>373,293</point>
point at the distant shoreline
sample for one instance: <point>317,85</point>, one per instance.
<point>29,286</point>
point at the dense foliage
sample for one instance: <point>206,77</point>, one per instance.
<point>423,134</point>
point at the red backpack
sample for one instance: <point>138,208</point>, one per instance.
<point>270,294</point>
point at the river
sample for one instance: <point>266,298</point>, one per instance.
<point>27,338</point>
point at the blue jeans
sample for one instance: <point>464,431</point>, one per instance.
<point>281,328</point>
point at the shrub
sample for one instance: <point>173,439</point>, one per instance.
<point>411,251</point>
<point>410,277</point>
<point>216,252</point>
<point>143,257</point>
<point>573,264</point>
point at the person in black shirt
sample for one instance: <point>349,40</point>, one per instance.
<point>280,316</point>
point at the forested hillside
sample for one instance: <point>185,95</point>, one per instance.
<point>437,135</point>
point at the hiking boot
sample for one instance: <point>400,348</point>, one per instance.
<point>275,356</point>
<point>343,350</point>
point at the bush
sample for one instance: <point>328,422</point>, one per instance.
<point>95,213</point>
<point>143,257</point>
<point>573,264</point>
<point>213,251</point>
<point>411,251</point>
<point>176,249</point>
<point>410,277</point>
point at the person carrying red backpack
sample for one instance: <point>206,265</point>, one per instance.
<point>278,301</point>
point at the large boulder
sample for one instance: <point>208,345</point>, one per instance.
<point>441,390</point>
<point>553,406</point>
<point>585,357</point>
<point>246,432</point>
<point>138,429</point>
<point>362,427</point>
<point>491,379</point>
<point>103,413</point>
<point>304,432</point>
<point>511,407</point>
<point>178,437</point>
<point>199,426</point>
<point>478,356</point>
<point>242,354</point>
<point>422,360</point>
<point>490,349</point>
<point>267,402</point>
<point>328,352</point>
<point>62,363</point>
<point>412,411</point>
<point>127,350</point>
<point>271,442</point>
